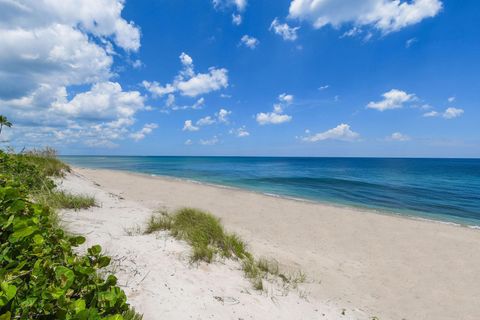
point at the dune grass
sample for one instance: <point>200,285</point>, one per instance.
<point>62,200</point>
<point>202,231</point>
<point>208,238</point>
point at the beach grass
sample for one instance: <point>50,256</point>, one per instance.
<point>202,231</point>
<point>208,238</point>
<point>63,200</point>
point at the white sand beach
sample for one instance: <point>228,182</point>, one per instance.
<point>359,264</point>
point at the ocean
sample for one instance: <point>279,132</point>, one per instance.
<point>439,189</point>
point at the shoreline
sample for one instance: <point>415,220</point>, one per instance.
<point>359,208</point>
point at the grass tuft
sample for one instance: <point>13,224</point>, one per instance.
<point>202,231</point>
<point>63,200</point>
<point>206,235</point>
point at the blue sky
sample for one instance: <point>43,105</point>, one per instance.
<point>238,77</point>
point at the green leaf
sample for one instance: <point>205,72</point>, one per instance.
<point>6,316</point>
<point>78,305</point>
<point>103,261</point>
<point>76,241</point>
<point>95,250</point>
<point>38,239</point>
<point>8,290</point>
<point>65,276</point>
<point>22,233</point>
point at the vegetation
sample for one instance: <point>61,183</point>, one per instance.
<point>202,231</point>
<point>4,123</point>
<point>61,199</point>
<point>206,235</point>
<point>41,277</point>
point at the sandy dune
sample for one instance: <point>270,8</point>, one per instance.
<point>370,264</point>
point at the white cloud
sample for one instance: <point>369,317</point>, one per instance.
<point>236,19</point>
<point>410,42</point>
<point>449,113</point>
<point>239,4</point>
<point>250,42</point>
<point>286,98</point>
<point>352,32</point>
<point>393,99</point>
<point>341,132</point>
<point>188,142</point>
<point>222,115</point>
<point>100,18</point>
<point>240,132</point>
<point>188,83</point>
<point>277,116</point>
<point>325,87</point>
<point>203,83</point>
<point>206,121</point>
<point>147,129</point>
<point>431,114</point>
<point>452,113</point>
<point>384,15</point>
<point>272,118</point>
<point>45,48</point>
<point>284,30</point>
<point>451,99</point>
<point>188,126</point>
<point>397,136</point>
<point>209,142</point>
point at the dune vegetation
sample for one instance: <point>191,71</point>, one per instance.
<point>208,239</point>
<point>41,276</point>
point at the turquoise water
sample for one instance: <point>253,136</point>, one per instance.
<point>442,189</point>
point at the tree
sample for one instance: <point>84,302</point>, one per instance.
<point>4,122</point>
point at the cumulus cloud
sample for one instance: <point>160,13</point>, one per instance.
<point>236,19</point>
<point>384,15</point>
<point>284,30</point>
<point>449,113</point>
<point>341,132</point>
<point>147,129</point>
<point>286,98</point>
<point>220,117</point>
<point>45,48</point>
<point>240,132</point>
<point>188,83</point>
<point>249,42</point>
<point>431,114</point>
<point>240,5</point>
<point>188,126</point>
<point>206,121</point>
<point>272,118</point>
<point>277,116</point>
<point>452,113</point>
<point>393,99</point>
<point>397,136</point>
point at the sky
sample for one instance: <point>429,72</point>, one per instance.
<point>372,78</point>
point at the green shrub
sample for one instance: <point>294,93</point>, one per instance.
<point>41,276</point>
